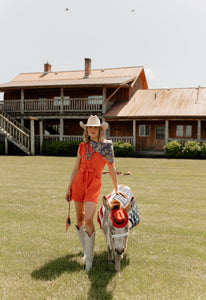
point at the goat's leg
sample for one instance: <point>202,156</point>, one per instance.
<point>117,262</point>
<point>110,254</point>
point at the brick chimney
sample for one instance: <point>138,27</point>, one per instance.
<point>87,69</point>
<point>47,68</point>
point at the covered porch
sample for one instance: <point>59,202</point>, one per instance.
<point>144,135</point>
<point>153,134</point>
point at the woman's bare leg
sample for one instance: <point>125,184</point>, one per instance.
<point>90,208</point>
<point>79,213</point>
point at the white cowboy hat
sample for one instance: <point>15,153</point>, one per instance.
<point>94,121</point>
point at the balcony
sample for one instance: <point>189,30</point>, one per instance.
<point>53,105</point>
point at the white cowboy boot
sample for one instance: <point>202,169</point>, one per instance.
<point>89,250</point>
<point>81,234</point>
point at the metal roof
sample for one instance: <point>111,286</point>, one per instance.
<point>162,102</point>
<point>118,76</point>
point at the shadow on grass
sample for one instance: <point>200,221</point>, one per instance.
<point>55,268</point>
<point>100,276</point>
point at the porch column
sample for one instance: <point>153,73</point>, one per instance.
<point>22,106</point>
<point>41,134</point>
<point>104,92</point>
<point>62,101</point>
<point>134,134</point>
<point>199,131</point>
<point>107,132</point>
<point>32,136</point>
<point>61,133</point>
<point>166,131</point>
<point>6,145</point>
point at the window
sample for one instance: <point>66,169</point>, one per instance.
<point>179,131</point>
<point>188,130</point>
<point>57,101</point>
<point>95,100</point>
<point>160,132</point>
<point>184,130</point>
<point>144,130</point>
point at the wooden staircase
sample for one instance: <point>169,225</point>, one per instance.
<point>15,132</point>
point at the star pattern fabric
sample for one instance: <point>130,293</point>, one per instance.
<point>133,216</point>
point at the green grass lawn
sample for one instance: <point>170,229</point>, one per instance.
<point>166,254</point>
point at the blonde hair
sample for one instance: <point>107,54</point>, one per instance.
<point>101,136</point>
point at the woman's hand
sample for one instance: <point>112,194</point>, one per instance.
<point>68,196</point>
<point>74,173</point>
<point>121,193</point>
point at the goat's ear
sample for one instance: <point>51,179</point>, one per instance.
<point>130,205</point>
<point>106,203</point>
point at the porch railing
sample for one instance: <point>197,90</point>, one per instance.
<point>12,106</point>
<point>184,141</point>
<point>15,132</point>
<point>52,105</point>
<point>126,139</point>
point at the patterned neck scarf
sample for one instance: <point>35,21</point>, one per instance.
<point>105,149</point>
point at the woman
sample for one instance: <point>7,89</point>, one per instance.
<point>86,181</point>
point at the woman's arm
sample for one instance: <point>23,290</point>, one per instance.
<point>73,175</point>
<point>113,174</point>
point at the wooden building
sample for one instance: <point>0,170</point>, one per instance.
<point>49,105</point>
<point>155,117</point>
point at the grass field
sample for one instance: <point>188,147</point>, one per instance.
<point>166,254</point>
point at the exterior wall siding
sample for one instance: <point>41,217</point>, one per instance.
<point>138,85</point>
<point>173,127</point>
<point>121,95</point>
<point>203,130</point>
<point>14,95</point>
<point>72,127</point>
<point>149,142</point>
<point>53,92</point>
<point>121,128</point>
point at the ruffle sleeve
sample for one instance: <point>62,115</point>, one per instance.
<point>81,148</point>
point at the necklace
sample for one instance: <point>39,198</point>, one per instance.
<point>89,155</point>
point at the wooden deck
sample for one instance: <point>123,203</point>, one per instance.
<point>53,105</point>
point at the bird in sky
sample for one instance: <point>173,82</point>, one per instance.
<point>66,9</point>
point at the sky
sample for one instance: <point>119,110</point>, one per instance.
<point>166,37</point>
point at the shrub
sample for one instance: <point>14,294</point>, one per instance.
<point>122,149</point>
<point>173,149</point>
<point>60,148</point>
<point>69,148</point>
<point>47,148</point>
<point>203,149</point>
<point>191,149</point>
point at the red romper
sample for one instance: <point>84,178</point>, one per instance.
<point>88,181</point>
